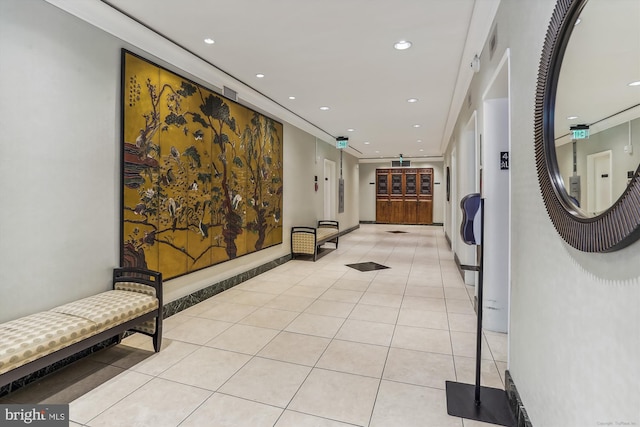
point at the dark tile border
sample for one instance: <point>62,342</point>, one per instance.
<point>517,407</point>
<point>190,300</point>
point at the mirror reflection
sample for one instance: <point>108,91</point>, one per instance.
<point>597,111</point>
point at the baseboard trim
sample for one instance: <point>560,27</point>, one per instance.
<point>433,224</point>
<point>459,265</point>
<point>517,407</point>
<point>349,230</point>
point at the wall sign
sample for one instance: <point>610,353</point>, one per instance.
<point>504,160</point>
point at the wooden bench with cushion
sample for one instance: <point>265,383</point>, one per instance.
<point>38,340</point>
<point>307,240</point>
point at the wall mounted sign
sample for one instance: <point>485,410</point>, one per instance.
<point>504,160</point>
<point>580,132</point>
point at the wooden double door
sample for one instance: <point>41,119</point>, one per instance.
<point>404,196</point>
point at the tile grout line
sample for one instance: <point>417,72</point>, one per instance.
<point>384,366</point>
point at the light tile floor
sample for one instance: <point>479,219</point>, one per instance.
<point>305,344</point>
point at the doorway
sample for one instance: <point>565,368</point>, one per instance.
<point>329,189</point>
<point>600,181</point>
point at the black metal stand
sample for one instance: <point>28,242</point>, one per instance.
<point>464,400</point>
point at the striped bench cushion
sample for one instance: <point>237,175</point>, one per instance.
<point>324,232</point>
<point>110,308</point>
<point>29,338</point>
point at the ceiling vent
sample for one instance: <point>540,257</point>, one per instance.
<point>398,164</point>
<point>230,93</point>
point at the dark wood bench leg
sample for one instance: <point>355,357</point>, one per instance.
<point>157,337</point>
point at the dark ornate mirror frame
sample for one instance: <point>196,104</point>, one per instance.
<point>618,226</point>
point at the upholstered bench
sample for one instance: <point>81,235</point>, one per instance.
<point>307,240</point>
<point>35,341</point>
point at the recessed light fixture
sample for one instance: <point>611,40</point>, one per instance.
<point>421,149</point>
<point>402,45</point>
<point>350,130</point>
<point>367,143</point>
<point>292,97</point>
<point>209,41</point>
<point>412,100</point>
<point>572,117</point>
<point>416,126</point>
<point>377,151</point>
<point>636,83</point>
<point>419,140</point>
<point>324,108</point>
<point>259,75</point>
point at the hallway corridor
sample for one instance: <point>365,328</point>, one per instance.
<point>305,344</point>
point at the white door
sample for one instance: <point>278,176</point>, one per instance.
<point>599,182</point>
<point>455,203</point>
<point>329,189</point>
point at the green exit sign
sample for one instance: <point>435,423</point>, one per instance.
<point>580,132</point>
<point>342,143</point>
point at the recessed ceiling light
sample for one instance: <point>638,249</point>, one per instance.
<point>324,108</point>
<point>259,75</point>
<point>412,100</point>
<point>419,140</point>
<point>421,149</point>
<point>402,45</point>
<point>292,97</point>
<point>367,143</point>
<point>350,130</point>
<point>377,151</point>
<point>209,41</point>
<point>572,117</point>
<point>416,126</point>
<point>636,83</point>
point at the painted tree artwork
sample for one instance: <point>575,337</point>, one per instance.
<point>202,175</point>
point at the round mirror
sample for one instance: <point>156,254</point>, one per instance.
<point>588,121</point>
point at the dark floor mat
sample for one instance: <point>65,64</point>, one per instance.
<point>367,266</point>
<point>397,232</point>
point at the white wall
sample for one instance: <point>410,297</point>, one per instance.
<point>350,170</point>
<point>615,139</point>
<point>574,318</point>
<point>367,197</point>
<point>60,164</point>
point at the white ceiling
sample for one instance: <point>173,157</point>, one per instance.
<point>601,59</point>
<point>337,53</point>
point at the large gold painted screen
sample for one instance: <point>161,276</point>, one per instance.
<point>201,174</point>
